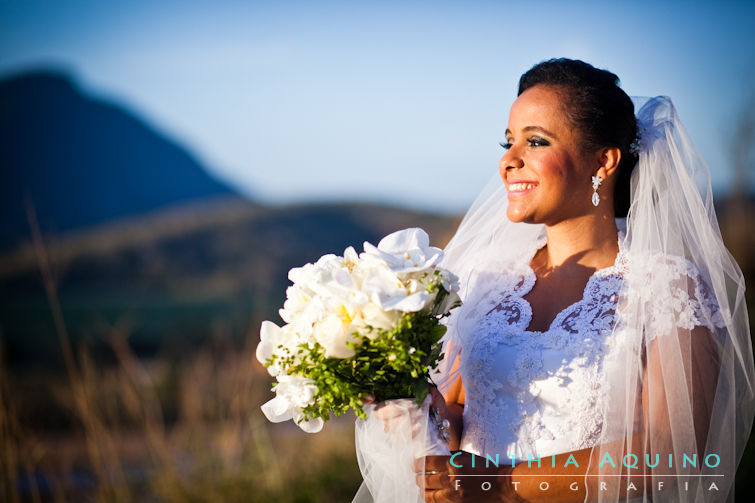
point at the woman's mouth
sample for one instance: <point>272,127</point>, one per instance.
<point>520,188</point>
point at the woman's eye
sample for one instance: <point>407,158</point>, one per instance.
<point>505,144</point>
<point>537,142</point>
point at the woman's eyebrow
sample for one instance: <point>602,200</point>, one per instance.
<point>533,128</point>
<point>540,129</point>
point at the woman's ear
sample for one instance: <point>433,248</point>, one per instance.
<point>608,161</point>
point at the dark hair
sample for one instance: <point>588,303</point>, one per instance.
<point>599,109</point>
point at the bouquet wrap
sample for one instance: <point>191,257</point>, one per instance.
<point>395,433</point>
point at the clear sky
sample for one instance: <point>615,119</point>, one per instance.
<point>400,102</point>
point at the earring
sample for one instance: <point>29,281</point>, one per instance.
<point>596,181</point>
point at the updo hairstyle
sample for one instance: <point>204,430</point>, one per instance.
<point>598,108</point>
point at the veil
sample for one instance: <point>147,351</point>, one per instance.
<point>678,398</point>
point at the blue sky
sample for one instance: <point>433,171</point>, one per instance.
<point>400,102</point>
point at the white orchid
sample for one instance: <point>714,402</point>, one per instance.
<point>272,339</point>
<point>450,301</point>
<point>350,258</point>
<point>449,280</point>
<point>374,316</point>
<point>386,289</point>
<point>300,305</point>
<point>293,393</point>
<point>406,251</point>
<point>333,333</point>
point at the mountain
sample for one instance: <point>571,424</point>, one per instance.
<point>81,161</point>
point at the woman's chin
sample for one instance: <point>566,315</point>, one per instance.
<point>516,215</point>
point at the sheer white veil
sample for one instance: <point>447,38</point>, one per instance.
<point>679,379</point>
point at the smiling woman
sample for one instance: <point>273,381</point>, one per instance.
<point>591,346</point>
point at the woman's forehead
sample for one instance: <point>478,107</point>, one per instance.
<point>539,106</point>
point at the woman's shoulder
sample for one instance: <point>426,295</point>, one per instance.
<point>659,269</point>
<point>673,289</point>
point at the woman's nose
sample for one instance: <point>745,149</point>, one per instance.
<point>509,161</point>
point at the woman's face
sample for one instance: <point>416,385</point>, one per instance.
<point>545,170</point>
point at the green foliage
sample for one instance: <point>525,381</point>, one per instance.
<point>394,364</point>
<point>387,364</point>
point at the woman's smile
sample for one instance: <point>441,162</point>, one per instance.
<point>517,188</point>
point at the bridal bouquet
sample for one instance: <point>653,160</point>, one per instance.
<point>356,325</point>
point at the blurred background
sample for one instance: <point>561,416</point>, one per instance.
<point>165,163</point>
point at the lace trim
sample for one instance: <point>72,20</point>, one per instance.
<point>674,295</point>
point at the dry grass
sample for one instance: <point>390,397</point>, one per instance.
<point>218,447</point>
<point>171,429</point>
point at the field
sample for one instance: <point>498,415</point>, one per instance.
<point>108,414</point>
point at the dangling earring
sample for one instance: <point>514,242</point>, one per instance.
<point>596,181</point>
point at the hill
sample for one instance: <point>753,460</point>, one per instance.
<point>177,277</point>
<point>81,161</point>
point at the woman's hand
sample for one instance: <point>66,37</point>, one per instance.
<point>396,413</point>
<point>438,402</point>
<point>452,412</point>
<point>446,479</point>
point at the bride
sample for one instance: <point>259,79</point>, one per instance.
<point>603,350</point>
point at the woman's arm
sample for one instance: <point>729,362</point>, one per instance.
<point>451,406</point>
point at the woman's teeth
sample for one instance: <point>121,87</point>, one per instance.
<point>516,187</point>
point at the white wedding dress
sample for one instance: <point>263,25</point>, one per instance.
<point>531,393</point>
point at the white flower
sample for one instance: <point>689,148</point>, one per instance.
<point>378,318</point>
<point>271,338</point>
<point>371,318</point>
<point>389,291</point>
<point>300,305</point>
<point>449,301</point>
<point>323,290</point>
<point>449,280</point>
<point>312,285</point>
<point>350,258</point>
<point>405,251</point>
<point>333,281</point>
<point>333,332</point>
<point>293,393</point>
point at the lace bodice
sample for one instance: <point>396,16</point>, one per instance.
<point>538,393</point>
